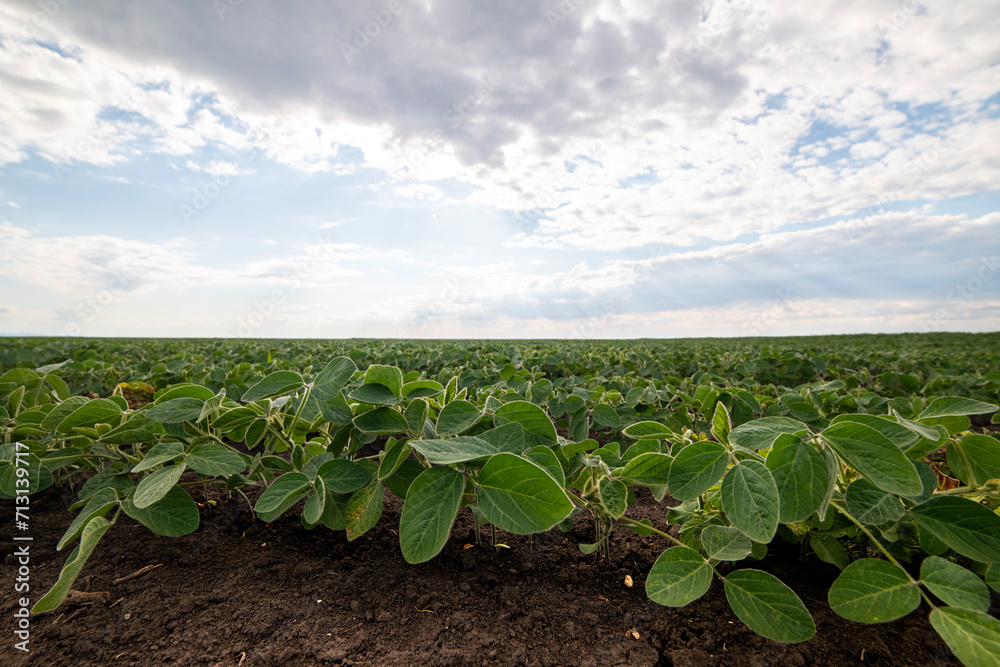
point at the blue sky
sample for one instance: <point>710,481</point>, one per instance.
<point>587,169</point>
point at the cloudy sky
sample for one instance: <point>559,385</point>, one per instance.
<point>583,168</point>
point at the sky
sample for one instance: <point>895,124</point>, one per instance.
<point>554,169</point>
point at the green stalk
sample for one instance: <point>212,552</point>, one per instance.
<point>302,404</point>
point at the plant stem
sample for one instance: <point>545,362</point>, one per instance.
<point>302,404</point>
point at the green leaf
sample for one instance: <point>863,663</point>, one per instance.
<point>92,533</point>
<point>283,492</point>
<point>900,435</point>
<point>364,510</point>
<point>155,486</point>
<point>388,376</point>
<point>160,453</point>
<point>519,496</point>
<point>696,469</point>
<point>381,421</point>
<point>334,376</point>
<point>422,389</point>
<point>457,417</point>
<point>275,384</point>
<point>97,411</point>
<point>183,390</point>
<point>335,510</point>
<point>399,482</point>
<point>678,577</point>
<point>431,506</point>
<point>374,394</point>
<point>507,438</point>
<point>313,511</point>
<point>603,415</point>
<point>973,636</point>
<point>614,495</point>
<point>647,429</point>
<point>393,457</point>
<point>969,528</point>
<point>768,607</point>
<point>649,469</point>
<point>343,476</point>
<point>538,428</point>
<point>725,543</point>
<point>173,515</point>
<point>176,410</point>
<point>545,457</point>
<point>954,406</point>
<point>98,505</point>
<point>829,550</point>
<point>801,476</point>
<point>975,459</point>
<point>873,591</point>
<point>455,450</point>
<point>721,423</point>
<point>750,500</point>
<point>416,416</point>
<point>874,456</point>
<point>955,585</point>
<point>107,478</point>
<point>215,461</point>
<point>993,577</point>
<point>871,505</point>
<point>761,433</point>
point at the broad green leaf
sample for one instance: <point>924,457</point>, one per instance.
<point>871,505</point>
<point>283,492</point>
<point>519,496</point>
<point>647,429</point>
<point>614,495</point>
<point>431,506</point>
<point>97,411</point>
<point>928,478</point>
<point>9,476</point>
<point>993,577</point>
<point>801,476</point>
<point>457,417</point>
<point>874,456</point>
<point>969,528</point>
<point>381,421</point>
<point>768,607</point>
<point>604,415</point>
<point>954,584</point>
<point>185,390</point>
<point>649,469</point>
<point>233,419</point>
<point>155,486</point>
<point>364,509</point>
<point>538,428</point>
<point>98,505</point>
<point>696,469</point>
<point>455,450</point>
<point>399,482</point>
<point>973,636</point>
<point>761,433</point>
<point>678,577</point>
<point>92,533</point>
<point>333,377</point>
<point>975,459</point>
<point>160,453</point>
<point>343,476</point>
<point>176,410</point>
<point>107,478</point>
<point>725,543</point>
<point>62,411</point>
<point>173,515</point>
<point>829,550</point>
<point>954,406</point>
<point>507,438</point>
<point>899,434</point>
<point>374,394</point>
<point>313,511</point>
<point>393,457</point>
<point>952,426</point>
<point>388,376</point>
<point>873,591</point>
<point>422,389</point>
<point>750,500</point>
<point>215,461</point>
<point>644,446</point>
<point>545,457</point>
<point>275,384</point>
<point>721,423</point>
<point>416,416</point>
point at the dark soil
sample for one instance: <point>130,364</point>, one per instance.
<point>237,592</point>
